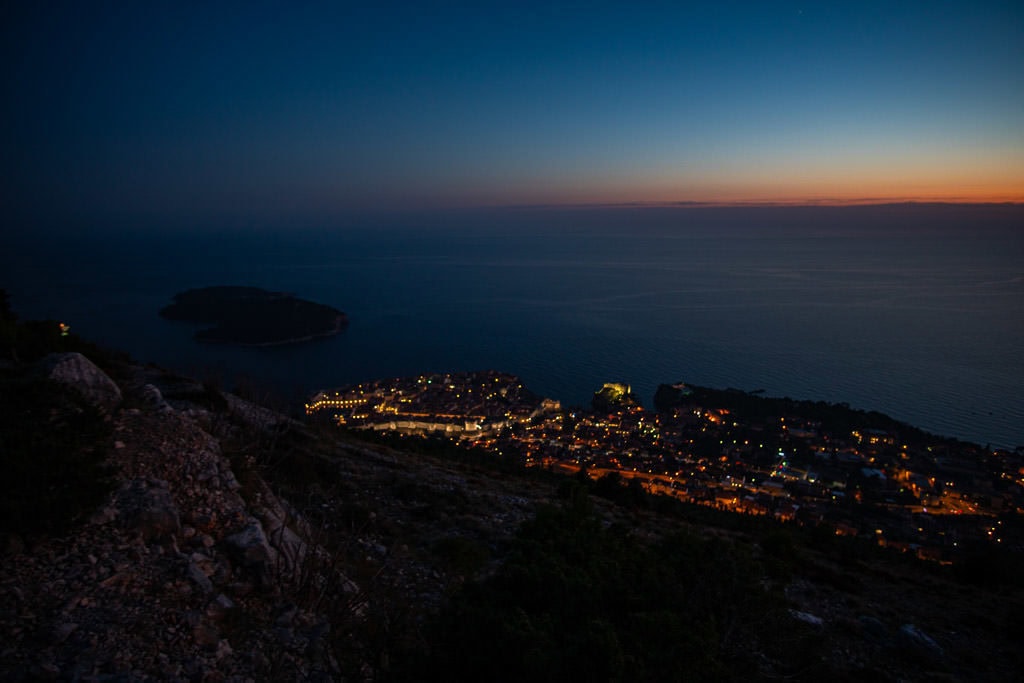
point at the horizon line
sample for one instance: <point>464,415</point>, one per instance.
<point>755,203</point>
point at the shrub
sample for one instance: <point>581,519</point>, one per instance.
<point>579,600</point>
<point>463,556</point>
<point>52,457</point>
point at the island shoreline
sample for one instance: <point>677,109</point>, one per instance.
<point>253,317</point>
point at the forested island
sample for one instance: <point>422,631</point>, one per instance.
<point>250,316</point>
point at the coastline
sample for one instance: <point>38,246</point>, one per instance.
<point>251,316</point>
<point>339,324</point>
<point>872,312</point>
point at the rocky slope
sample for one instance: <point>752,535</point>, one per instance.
<point>238,544</point>
<point>195,569</point>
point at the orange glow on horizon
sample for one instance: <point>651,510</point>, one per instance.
<point>626,199</point>
<point>829,195</point>
<point>850,180</point>
<point>1001,182</point>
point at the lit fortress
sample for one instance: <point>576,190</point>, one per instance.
<point>460,405</point>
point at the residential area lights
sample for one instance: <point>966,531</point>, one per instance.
<point>928,496</point>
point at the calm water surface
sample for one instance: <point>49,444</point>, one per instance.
<point>914,311</point>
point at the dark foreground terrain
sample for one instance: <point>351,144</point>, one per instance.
<point>201,536</point>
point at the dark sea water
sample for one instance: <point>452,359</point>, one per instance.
<point>916,311</point>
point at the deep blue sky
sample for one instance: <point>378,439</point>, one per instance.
<point>262,109</point>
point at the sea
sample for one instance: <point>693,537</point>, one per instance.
<point>915,310</point>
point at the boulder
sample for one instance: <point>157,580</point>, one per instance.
<point>152,398</point>
<point>199,577</point>
<point>920,644</point>
<point>285,528</point>
<point>807,618</point>
<point>149,508</point>
<point>78,372</point>
<point>252,550</point>
<point>290,547</point>
<point>255,416</point>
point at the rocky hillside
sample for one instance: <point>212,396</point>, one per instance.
<point>193,567</point>
<point>203,537</point>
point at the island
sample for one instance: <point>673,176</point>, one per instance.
<point>250,316</point>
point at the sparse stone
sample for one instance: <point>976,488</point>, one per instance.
<point>48,671</point>
<point>807,618</point>
<point>290,547</point>
<point>78,372</point>
<point>206,635</point>
<point>229,481</point>
<point>153,399</point>
<point>63,630</point>
<point>252,549</point>
<point>917,641</point>
<point>103,516</point>
<point>224,650</point>
<point>219,607</point>
<point>199,578</point>
<point>151,510</point>
<point>287,615</point>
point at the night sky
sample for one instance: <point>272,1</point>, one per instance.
<point>265,109</point>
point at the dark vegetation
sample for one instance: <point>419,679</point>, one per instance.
<point>253,316</point>
<point>51,440</point>
<point>51,455</point>
<point>25,341</point>
<point>577,599</point>
<point>981,565</point>
<point>667,590</point>
<point>443,447</point>
<point>784,544</point>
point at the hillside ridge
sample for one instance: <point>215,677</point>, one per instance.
<point>237,543</point>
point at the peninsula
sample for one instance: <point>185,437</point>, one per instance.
<point>851,472</point>
<point>250,316</point>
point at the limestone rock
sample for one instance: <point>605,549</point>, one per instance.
<point>912,638</point>
<point>253,551</point>
<point>149,509</point>
<point>61,631</point>
<point>153,399</point>
<point>807,618</point>
<point>199,577</point>
<point>206,635</point>
<point>219,607</point>
<point>255,416</point>
<point>279,520</point>
<point>78,372</point>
